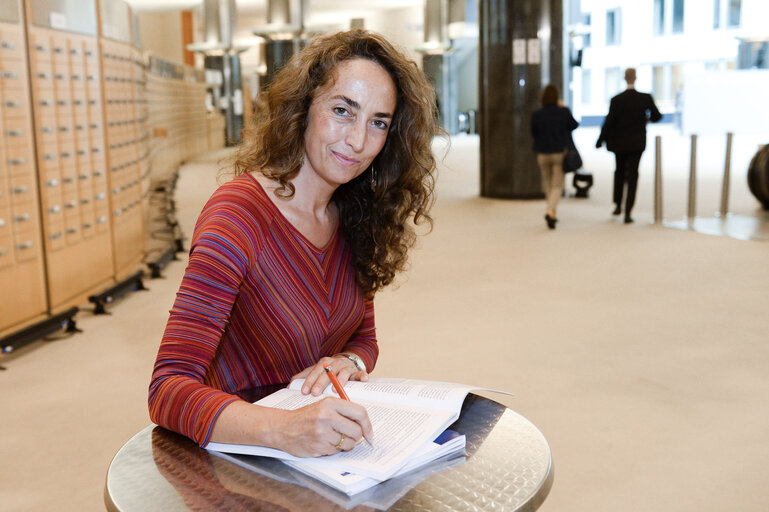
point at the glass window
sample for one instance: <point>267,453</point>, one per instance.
<point>612,83</point>
<point>658,83</point>
<point>589,29</point>
<point>659,17</point>
<point>716,13</point>
<point>676,78</point>
<point>587,84</point>
<point>753,55</point>
<point>678,16</point>
<point>612,27</point>
<point>735,9</point>
<point>762,59</point>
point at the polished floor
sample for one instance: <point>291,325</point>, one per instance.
<point>639,350</point>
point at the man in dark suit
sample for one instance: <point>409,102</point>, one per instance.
<point>624,131</point>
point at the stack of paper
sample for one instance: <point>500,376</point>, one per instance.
<point>409,418</point>
<point>448,447</point>
<point>448,443</point>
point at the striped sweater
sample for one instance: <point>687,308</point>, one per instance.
<point>258,304</point>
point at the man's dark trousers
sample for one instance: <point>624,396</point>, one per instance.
<point>626,172</point>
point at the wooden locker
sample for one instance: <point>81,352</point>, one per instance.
<point>78,256</point>
<point>22,278</point>
<point>122,156</point>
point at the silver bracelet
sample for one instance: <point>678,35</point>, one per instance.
<point>356,360</point>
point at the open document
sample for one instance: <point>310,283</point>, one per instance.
<point>447,450</point>
<point>407,416</point>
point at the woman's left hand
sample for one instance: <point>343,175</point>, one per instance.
<point>316,380</point>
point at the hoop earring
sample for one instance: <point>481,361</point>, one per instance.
<point>373,178</point>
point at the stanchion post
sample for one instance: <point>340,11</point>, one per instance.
<point>691,210</point>
<point>727,171</point>
<point>658,179</point>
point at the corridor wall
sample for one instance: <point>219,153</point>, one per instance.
<point>87,125</point>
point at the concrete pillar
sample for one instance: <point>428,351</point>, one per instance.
<point>520,51</point>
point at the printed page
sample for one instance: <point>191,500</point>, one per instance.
<point>286,398</point>
<point>434,451</point>
<point>348,483</point>
<point>419,393</point>
<point>399,431</point>
<point>351,483</point>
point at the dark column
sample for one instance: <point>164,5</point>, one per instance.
<point>276,53</point>
<point>233,89</point>
<point>229,66</point>
<point>520,51</point>
<point>219,21</point>
<point>285,24</point>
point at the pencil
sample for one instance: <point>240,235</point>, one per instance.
<point>339,389</point>
<point>335,382</point>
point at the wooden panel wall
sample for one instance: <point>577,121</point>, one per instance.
<point>86,128</point>
<point>22,278</point>
<point>179,124</point>
<point>120,85</point>
<point>69,132</point>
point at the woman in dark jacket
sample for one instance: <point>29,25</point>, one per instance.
<point>551,128</point>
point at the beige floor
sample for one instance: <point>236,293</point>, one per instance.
<point>640,351</point>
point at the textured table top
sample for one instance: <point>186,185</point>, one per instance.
<point>507,467</point>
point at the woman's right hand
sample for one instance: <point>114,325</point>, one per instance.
<point>325,427</point>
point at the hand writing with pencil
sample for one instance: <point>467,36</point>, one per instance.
<point>335,424</point>
<point>325,427</point>
<point>328,426</point>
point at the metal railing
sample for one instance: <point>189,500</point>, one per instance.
<point>691,210</point>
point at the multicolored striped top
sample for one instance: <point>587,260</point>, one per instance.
<point>258,304</point>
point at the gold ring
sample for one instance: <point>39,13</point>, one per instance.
<point>341,441</point>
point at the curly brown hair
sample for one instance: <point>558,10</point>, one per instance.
<point>375,222</point>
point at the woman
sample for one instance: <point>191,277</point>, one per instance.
<point>286,258</point>
<point>551,127</point>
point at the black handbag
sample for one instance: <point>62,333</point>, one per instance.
<point>572,160</point>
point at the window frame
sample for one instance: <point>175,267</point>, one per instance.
<point>614,29</point>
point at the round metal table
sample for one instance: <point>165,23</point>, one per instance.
<point>507,466</point>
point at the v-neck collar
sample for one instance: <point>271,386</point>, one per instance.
<point>321,251</point>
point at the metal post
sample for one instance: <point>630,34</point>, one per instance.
<point>658,179</point>
<point>727,169</point>
<point>230,136</point>
<point>692,208</point>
